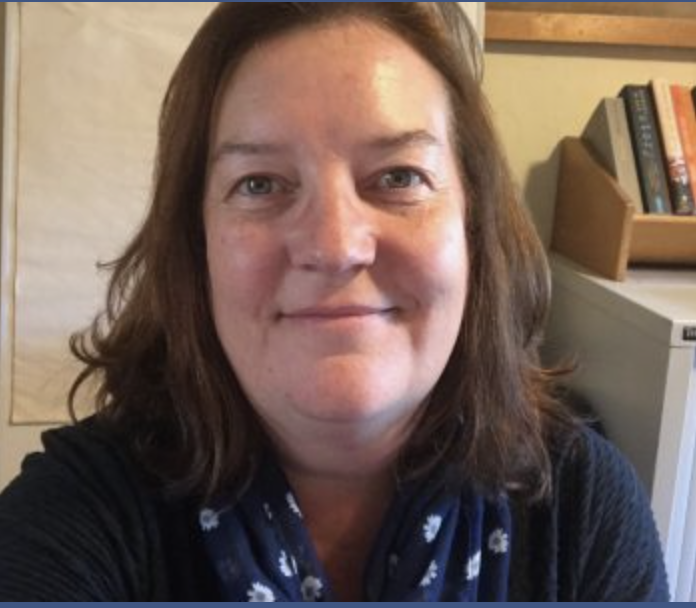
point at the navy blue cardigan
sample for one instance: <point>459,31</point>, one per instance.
<point>81,523</point>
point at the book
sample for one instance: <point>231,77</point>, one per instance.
<point>647,148</point>
<point>685,113</point>
<point>678,181</point>
<point>608,138</point>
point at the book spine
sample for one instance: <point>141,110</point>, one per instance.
<point>623,149</point>
<point>647,148</point>
<point>678,180</point>
<point>685,113</point>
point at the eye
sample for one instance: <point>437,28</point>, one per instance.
<point>261,191</point>
<point>401,179</point>
<point>257,185</point>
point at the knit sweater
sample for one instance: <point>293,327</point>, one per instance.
<point>81,523</point>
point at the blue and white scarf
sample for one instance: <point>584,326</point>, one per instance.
<point>435,545</point>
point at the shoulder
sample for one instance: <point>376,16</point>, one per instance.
<point>84,454</point>
<point>77,522</point>
<point>67,447</point>
<point>586,458</point>
<point>608,545</point>
<point>88,459</point>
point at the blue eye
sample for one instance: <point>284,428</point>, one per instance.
<point>401,179</point>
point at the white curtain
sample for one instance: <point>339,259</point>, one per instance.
<point>91,77</point>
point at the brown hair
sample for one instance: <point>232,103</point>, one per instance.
<point>163,379</point>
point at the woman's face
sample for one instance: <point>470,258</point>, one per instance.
<point>335,234</point>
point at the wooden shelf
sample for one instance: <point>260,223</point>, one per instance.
<point>596,225</point>
<point>585,28</point>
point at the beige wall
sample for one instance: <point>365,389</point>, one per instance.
<point>541,93</point>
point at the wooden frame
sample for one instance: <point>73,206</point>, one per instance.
<point>8,218</point>
<point>576,23</point>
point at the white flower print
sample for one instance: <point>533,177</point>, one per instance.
<point>473,566</point>
<point>430,575</point>
<point>498,541</point>
<point>287,565</point>
<point>208,520</point>
<point>311,589</point>
<point>431,527</point>
<point>267,511</point>
<point>292,503</point>
<point>260,593</point>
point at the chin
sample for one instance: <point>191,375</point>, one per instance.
<point>340,392</point>
<point>354,403</point>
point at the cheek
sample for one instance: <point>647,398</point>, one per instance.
<point>449,287</point>
<point>243,264</point>
<point>444,261</point>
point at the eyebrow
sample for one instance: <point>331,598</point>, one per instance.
<point>231,148</point>
<point>418,137</point>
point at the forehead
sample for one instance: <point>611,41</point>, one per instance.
<point>347,73</point>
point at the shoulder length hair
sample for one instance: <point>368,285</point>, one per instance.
<point>163,380</point>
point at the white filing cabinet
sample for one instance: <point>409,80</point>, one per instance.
<point>635,344</point>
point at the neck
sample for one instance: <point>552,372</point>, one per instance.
<point>343,479</point>
<point>343,517</point>
<point>359,491</point>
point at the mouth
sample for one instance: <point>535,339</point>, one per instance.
<point>337,313</point>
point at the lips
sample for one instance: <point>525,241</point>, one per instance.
<point>329,313</point>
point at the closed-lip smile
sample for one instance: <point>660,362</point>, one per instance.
<point>329,313</point>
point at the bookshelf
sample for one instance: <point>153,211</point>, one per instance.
<point>595,224</point>
<point>637,366</point>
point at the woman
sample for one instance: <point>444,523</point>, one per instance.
<point>318,373</point>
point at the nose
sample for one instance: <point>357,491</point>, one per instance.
<point>333,232</point>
